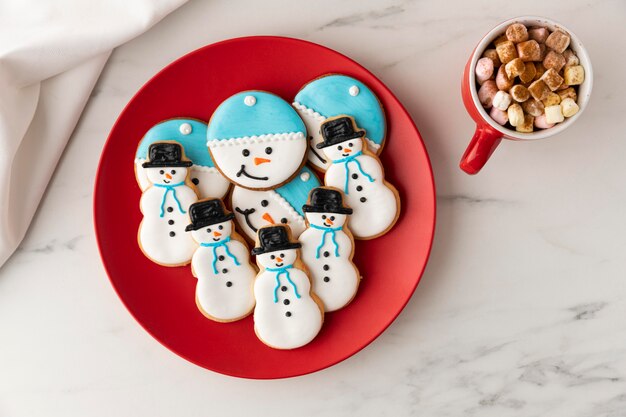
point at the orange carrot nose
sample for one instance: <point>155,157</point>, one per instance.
<point>259,161</point>
<point>268,218</point>
<point>329,221</point>
<point>217,234</point>
<point>347,150</point>
<point>279,259</point>
<point>168,176</point>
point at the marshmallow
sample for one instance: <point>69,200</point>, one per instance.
<point>570,58</point>
<point>527,125</point>
<point>484,70</point>
<point>533,107</point>
<point>517,33</point>
<point>501,100</point>
<point>529,73</point>
<point>552,79</point>
<point>506,51</point>
<point>558,41</point>
<point>554,60</point>
<point>539,90</point>
<point>487,92</point>
<point>502,80</point>
<point>519,93</point>
<point>568,93</point>
<point>514,68</point>
<point>492,55</point>
<point>516,114</point>
<point>574,75</point>
<point>551,99</point>
<point>539,70</point>
<point>529,51</point>
<point>569,107</point>
<point>542,123</point>
<point>554,114</point>
<point>500,39</point>
<point>538,34</point>
<point>500,117</point>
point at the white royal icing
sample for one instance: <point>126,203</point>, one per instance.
<point>287,151</point>
<point>284,322</point>
<point>277,209</point>
<point>379,211</point>
<point>337,285</point>
<point>313,121</point>
<point>154,231</point>
<point>211,183</point>
<point>225,295</point>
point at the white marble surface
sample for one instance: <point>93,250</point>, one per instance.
<point>521,311</point>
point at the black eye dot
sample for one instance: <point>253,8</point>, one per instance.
<point>173,171</point>
<point>350,144</point>
<point>273,257</point>
<point>264,203</point>
<point>245,152</point>
<point>195,181</point>
<point>332,217</point>
<point>283,220</point>
<point>161,172</point>
<point>282,255</point>
<point>208,230</point>
<point>221,227</point>
<point>340,147</point>
<point>268,150</point>
<point>324,216</point>
<point>310,137</point>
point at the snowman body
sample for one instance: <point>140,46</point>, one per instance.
<point>162,232</point>
<point>360,177</point>
<point>225,275</point>
<point>286,316</point>
<point>327,253</point>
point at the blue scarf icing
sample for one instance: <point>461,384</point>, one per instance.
<point>346,161</point>
<point>283,270</point>
<point>217,245</point>
<point>327,230</point>
<point>168,188</point>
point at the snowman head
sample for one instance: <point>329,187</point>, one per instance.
<point>277,259</point>
<point>166,175</point>
<point>341,138</point>
<point>326,220</point>
<point>257,140</point>
<point>213,233</point>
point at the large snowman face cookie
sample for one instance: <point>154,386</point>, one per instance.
<point>332,95</point>
<point>191,134</point>
<point>257,140</point>
<point>283,205</point>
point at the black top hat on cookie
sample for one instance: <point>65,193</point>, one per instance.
<point>165,154</point>
<point>339,130</point>
<point>274,238</point>
<point>325,200</point>
<point>207,212</point>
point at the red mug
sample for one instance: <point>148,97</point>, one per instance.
<point>489,133</point>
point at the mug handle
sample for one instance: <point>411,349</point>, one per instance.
<point>484,142</point>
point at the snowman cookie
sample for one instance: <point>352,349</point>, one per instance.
<point>288,314</point>
<point>164,205</point>
<point>191,134</point>
<point>283,205</point>
<point>335,94</point>
<point>328,247</point>
<point>221,263</point>
<point>257,140</point>
<point>360,176</point>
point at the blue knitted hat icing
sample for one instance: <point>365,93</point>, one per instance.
<point>253,113</point>
<point>193,141</point>
<point>333,95</point>
<point>296,191</point>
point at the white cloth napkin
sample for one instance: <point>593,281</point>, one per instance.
<point>51,54</point>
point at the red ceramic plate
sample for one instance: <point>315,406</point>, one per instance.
<point>162,299</point>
